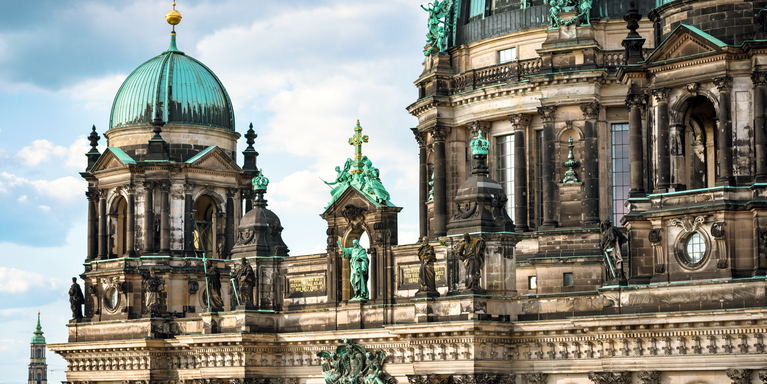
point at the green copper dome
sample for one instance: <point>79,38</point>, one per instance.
<point>190,93</point>
<point>38,337</point>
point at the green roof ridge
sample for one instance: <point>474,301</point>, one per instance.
<point>38,337</point>
<point>199,155</point>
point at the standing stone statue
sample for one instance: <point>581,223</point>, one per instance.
<point>472,253</point>
<point>426,276</point>
<point>151,285</point>
<point>246,280</point>
<point>214,288</point>
<point>611,242</point>
<point>76,300</point>
<point>358,261</point>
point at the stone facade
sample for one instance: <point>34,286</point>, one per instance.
<point>663,129</point>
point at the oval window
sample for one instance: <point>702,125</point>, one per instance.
<point>111,298</point>
<point>695,249</point>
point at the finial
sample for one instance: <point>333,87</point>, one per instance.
<point>260,182</point>
<point>251,137</point>
<point>479,146</point>
<point>356,140</point>
<point>570,176</point>
<point>157,123</point>
<point>94,138</point>
<point>173,17</point>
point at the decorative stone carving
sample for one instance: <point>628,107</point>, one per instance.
<point>610,377</point>
<point>438,25</point>
<point>245,280</point>
<point>354,215</point>
<point>739,376</point>
<point>763,376</point>
<point>426,275</point>
<point>723,84</point>
<point>591,110</point>
<point>520,121</point>
<point>476,126</point>
<point>718,232</point>
<point>353,364</point>
<point>420,138</point>
<point>692,89</point>
<point>610,244</point>
<point>659,256</point>
<point>661,94</point>
<point>547,113</point>
<point>634,101</point>
<point>759,78</point>
<point>536,378</point>
<point>439,132</point>
<point>649,377</point>
<point>151,287</point>
<point>688,223</point>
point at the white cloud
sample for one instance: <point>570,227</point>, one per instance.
<point>45,208</point>
<point>41,151</point>
<point>96,94</point>
<point>14,281</point>
<point>65,188</point>
<point>22,199</point>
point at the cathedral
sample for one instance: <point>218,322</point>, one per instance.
<point>592,208</point>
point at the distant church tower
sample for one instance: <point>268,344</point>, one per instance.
<point>38,368</point>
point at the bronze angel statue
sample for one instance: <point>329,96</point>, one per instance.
<point>353,364</point>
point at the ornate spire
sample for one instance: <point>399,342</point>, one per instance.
<point>260,183</point>
<point>249,154</point>
<point>173,17</point>
<point>633,42</point>
<point>570,176</point>
<point>250,137</point>
<point>479,147</point>
<point>38,338</point>
<point>157,147</point>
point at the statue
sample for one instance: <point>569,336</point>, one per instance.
<point>584,9</point>
<point>612,240</point>
<point>426,276</point>
<point>437,24</point>
<point>353,364</point>
<point>343,180</point>
<point>213,292</point>
<point>246,280</point>
<point>371,183</point>
<point>358,261</point>
<point>554,9</point>
<point>151,285</point>
<point>76,300</point>
<point>472,253</point>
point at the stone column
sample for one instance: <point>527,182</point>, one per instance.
<point>676,156</point>
<point>148,218</point>
<point>188,220</point>
<point>760,128</point>
<point>247,195</point>
<point>548,167</point>
<point>103,235</point>
<point>664,163</point>
<point>130,232</point>
<point>439,134</point>
<point>590,167</point>
<point>423,184</point>
<point>165,218</point>
<point>724,132</point>
<point>229,230</point>
<point>93,225</point>
<point>521,123</point>
<point>636,150</point>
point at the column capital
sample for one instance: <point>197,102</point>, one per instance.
<point>591,109</point>
<point>723,84</point>
<point>623,377</point>
<point>148,185</point>
<point>439,132</point>
<point>520,121</point>
<point>634,100</point>
<point>230,192</point>
<point>475,126</point>
<point>102,192</point>
<point>420,137</point>
<point>547,113</point>
<point>165,186</point>
<point>739,376</point>
<point>759,78</point>
<point>189,187</point>
<point>92,194</point>
<point>129,188</point>
<point>661,94</point>
<point>536,378</point>
<point>649,377</point>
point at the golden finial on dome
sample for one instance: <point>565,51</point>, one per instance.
<point>173,17</point>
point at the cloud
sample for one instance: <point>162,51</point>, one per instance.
<point>44,208</point>
<point>22,199</point>
<point>41,151</point>
<point>65,188</point>
<point>18,287</point>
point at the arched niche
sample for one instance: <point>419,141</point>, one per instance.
<point>693,143</point>
<point>205,229</point>
<point>360,233</point>
<point>117,226</point>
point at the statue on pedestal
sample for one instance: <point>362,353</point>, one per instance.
<point>472,253</point>
<point>610,244</point>
<point>246,280</point>
<point>213,290</point>
<point>76,300</point>
<point>426,276</point>
<point>359,262</point>
<point>151,285</point>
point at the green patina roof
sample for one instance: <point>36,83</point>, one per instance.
<point>199,155</point>
<point>189,91</point>
<point>38,337</point>
<point>124,157</point>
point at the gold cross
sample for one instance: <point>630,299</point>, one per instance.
<point>357,141</point>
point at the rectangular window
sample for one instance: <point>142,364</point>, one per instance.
<point>567,279</point>
<point>504,168</point>
<point>507,55</point>
<point>476,8</point>
<point>539,176</point>
<point>532,282</point>
<point>620,170</point>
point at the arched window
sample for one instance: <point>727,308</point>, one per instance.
<point>117,228</point>
<point>39,354</point>
<point>205,217</point>
<point>693,146</point>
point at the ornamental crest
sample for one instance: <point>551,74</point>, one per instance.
<point>567,12</point>
<point>353,364</point>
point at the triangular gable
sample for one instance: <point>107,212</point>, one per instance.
<point>213,157</point>
<point>685,41</point>
<point>112,158</point>
<point>353,196</point>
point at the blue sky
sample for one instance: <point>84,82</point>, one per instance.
<point>302,71</point>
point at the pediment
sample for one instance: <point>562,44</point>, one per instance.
<point>351,196</point>
<point>213,157</point>
<point>112,158</point>
<point>685,41</point>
